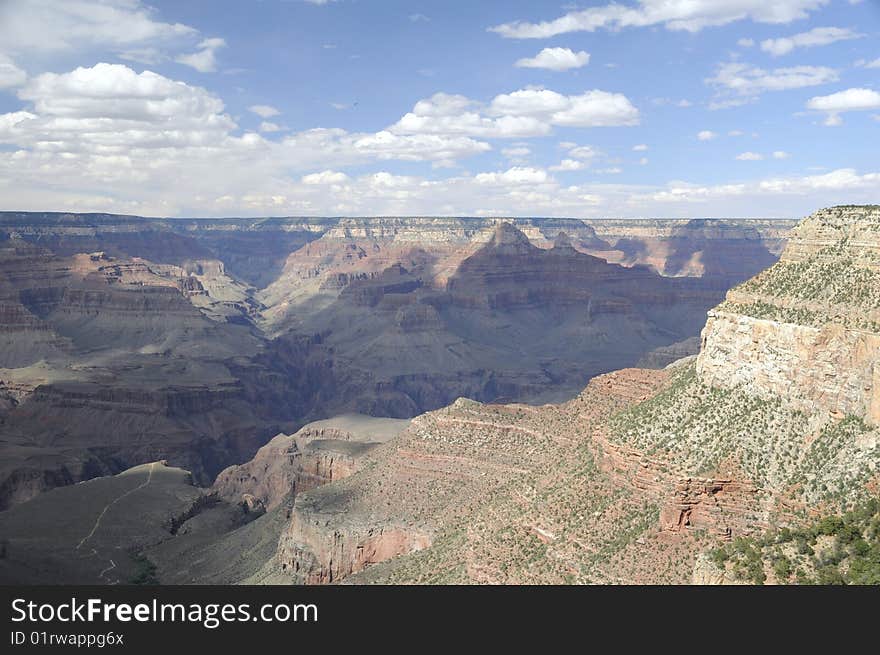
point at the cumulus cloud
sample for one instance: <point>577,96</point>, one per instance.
<point>855,99</point>
<point>269,126</point>
<point>523,113</point>
<point>750,156</point>
<point>818,36</point>
<point>569,165</point>
<point>584,153</point>
<point>205,59</point>
<point>591,109</point>
<point>688,15</point>
<point>640,147</point>
<point>264,111</point>
<point>780,154</point>
<point>110,107</point>
<point>325,177</point>
<point>746,43</point>
<point>706,135</point>
<point>743,81</point>
<point>556,59</point>
<point>138,135</point>
<point>517,175</point>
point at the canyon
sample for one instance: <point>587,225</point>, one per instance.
<point>128,340</point>
<point>762,419</point>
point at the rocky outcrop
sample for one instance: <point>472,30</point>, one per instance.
<point>725,507</point>
<point>320,453</point>
<point>808,328</point>
<point>312,555</point>
<point>831,368</point>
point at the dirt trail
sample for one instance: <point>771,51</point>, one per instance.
<point>111,504</point>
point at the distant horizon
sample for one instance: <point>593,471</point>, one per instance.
<point>409,216</point>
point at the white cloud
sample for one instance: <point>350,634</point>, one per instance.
<point>516,152</point>
<point>643,161</point>
<point>818,36</point>
<point>418,18</point>
<point>780,154</point>
<point>706,135</point>
<point>30,26</point>
<point>385,145</point>
<point>815,37</point>
<point>137,136</point>
<point>591,109</point>
<point>569,165</point>
<point>746,43</point>
<point>584,153</point>
<point>840,179</point>
<point>523,113</point>
<point>269,126</point>
<point>640,147</point>
<point>689,15</point>
<point>109,107</point>
<point>750,156</point>
<point>856,99</point>
<point>205,59</point>
<point>839,186</point>
<point>610,171</point>
<point>684,102</point>
<point>556,59</point>
<point>735,133</point>
<point>10,74</point>
<point>869,64</point>
<point>744,80</point>
<point>517,175</point>
<point>264,111</point>
<point>325,177</point>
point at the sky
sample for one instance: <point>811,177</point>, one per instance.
<point>634,108</point>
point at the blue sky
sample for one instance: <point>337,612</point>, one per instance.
<point>368,107</point>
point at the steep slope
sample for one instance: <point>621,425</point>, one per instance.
<point>90,533</point>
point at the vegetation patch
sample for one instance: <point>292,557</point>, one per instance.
<point>836,549</point>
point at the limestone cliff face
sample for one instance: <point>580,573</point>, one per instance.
<point>829,368</point>
<point>808,328</point>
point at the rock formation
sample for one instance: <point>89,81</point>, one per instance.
<point>808,328</point>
